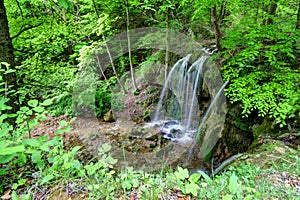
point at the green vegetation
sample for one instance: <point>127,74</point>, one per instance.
<point>49,66</point>
<point>45,163</point>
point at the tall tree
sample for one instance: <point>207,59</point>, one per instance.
<point>271,12</point>
<point>7,55</point>
<point>215,23</point>
<point>129,46</point>
<point>298,17</point>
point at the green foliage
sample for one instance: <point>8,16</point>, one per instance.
<point>103,96</point>
<point>263,71</point>
<point>17,148</point>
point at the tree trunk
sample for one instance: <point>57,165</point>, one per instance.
<point>215,22</point>
<point>167,58</point>
<point>222,11</point>
<point>271,13</point>
<point>114,69</point>
<point>298,17</point>
<point>129,48</point>
<point>7,55</point>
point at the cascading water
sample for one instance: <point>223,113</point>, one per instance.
<point>175,76</point>
<point>184,83</point>
<point>177,112</point>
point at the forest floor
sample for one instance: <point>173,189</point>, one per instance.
<point>277,159</point>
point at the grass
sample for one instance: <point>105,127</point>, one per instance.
<point>99,180</point>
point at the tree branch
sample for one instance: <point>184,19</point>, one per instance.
<point>96,11</point>
<point>18,3</point>
<point>25,29</point>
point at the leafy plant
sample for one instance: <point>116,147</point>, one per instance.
<point>17,147</point>
<point>262,72</point>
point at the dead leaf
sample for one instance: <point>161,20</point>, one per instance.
<point>6,195</point>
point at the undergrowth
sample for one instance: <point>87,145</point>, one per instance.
<point>31,166</point>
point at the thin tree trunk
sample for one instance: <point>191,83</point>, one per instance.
<point>298,17</point>
<point>7,55</point>
<point>110,58</point>
<point>222,11</point>
<point>95,8</point>
<point>114,69</point>
<point>167,58</point>
<point>271,13</point>
<point>215,22</point>
<point>129,48</point>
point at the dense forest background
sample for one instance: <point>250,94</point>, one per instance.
<point>46,43</point>
<point>258,43</point>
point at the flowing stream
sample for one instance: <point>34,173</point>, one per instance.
<point>178,111</point>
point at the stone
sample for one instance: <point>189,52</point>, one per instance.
<point>109,116</point>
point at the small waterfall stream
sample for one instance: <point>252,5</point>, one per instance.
<point>181,94</point>
<point>184,82</point>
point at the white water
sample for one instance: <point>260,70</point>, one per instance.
<point>180,66</point>
<point>204,120</point>
<point>183,82</point>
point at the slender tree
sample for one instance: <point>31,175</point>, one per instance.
<point>298,17</point>
<point>215,23</point>
<point>7,56</point>
<point>129,46</point>
<point>167,58</point>
<point>114,68</point>
<point>271,13</point>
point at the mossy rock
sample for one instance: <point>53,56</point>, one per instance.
<point>109,116</point>
<point>269,152</point>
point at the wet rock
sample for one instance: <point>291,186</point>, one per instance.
<point>236,136</point>
<point>109,116</point>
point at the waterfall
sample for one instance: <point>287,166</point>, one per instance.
<point>184,82</point>
<point>178,68</point>
<point>178,115</point>
<point>213,107</point>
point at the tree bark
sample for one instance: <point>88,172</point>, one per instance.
<point>7,55</point>
<point>271,13</point>
<point>114,69</point>
<point>167,58</point>
<point>215,22</point>
<point>298,17</point>
<point>129,47</point>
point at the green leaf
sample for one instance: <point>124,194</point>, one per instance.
<point>3,132</point>
<point>31,142</point>
<point>38,109</point>
<point>104,148</point>
<point>63,3</point>
<point>47,178</point>
<point>181,173</point>
<point>75,149</point>
<point>227,197</point>
<point>45,147</point>
<point>10,71</point>
<point>47,102</point>
<point>233,184</point>
<point>6,158</point>
<point>126,185</point>
<point>205,176</point>
<point>63,123</point>
<point>65,130</point>
<point>110,160</point>
<point>36,156</point>
<point>33,103</point>
<point>12,150</point>
<point>192,188</point>
<point>14,196</point>
<point>194,178</point>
